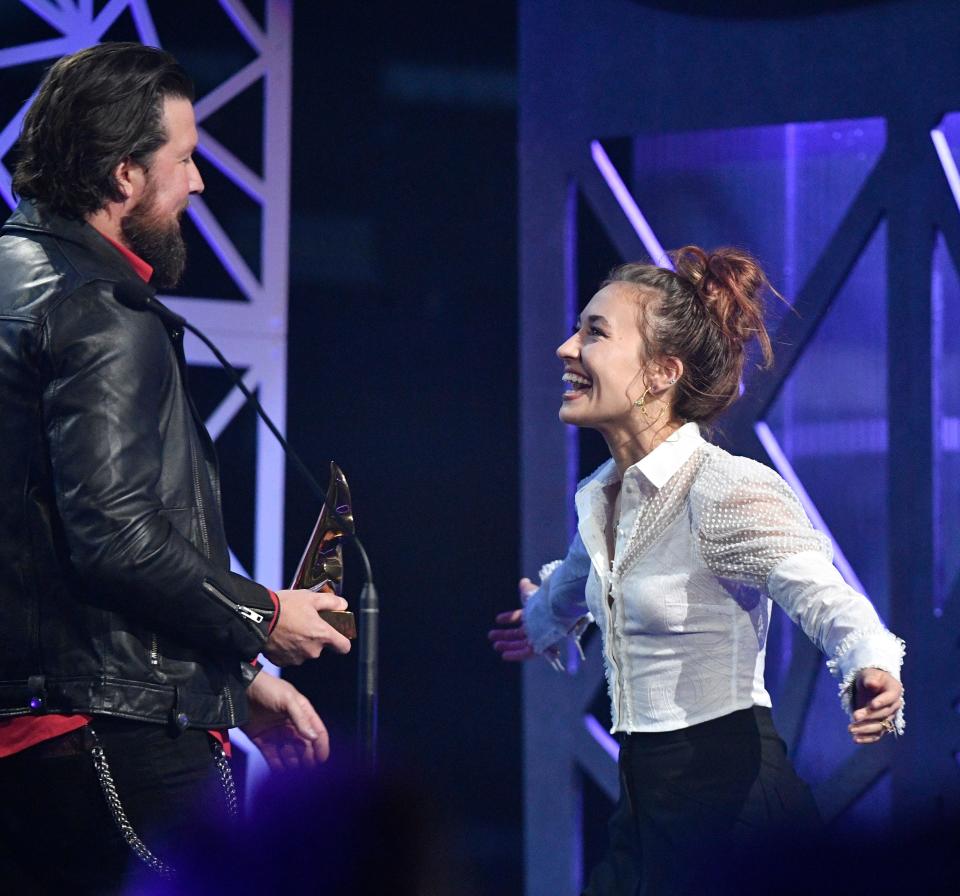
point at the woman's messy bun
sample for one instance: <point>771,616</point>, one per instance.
<point>705,313</point>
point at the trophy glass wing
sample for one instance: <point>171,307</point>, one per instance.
<point>321,566</point>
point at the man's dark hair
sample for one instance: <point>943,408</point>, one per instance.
<point>94,109</point>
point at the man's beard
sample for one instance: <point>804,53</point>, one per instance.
<point>159,243</point>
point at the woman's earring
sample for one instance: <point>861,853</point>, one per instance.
<point>641,403</point>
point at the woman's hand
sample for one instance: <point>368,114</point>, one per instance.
<point>511,643</point>
<point>877,698</point>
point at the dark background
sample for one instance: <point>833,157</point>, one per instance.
<point>403,368</point>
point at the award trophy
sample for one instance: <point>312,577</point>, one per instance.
<point>321,567</point>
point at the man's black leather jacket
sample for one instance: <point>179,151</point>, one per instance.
<point>115,594</point>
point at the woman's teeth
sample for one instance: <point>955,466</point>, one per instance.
<point>576,382</point>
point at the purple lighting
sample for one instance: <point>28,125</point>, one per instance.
<point>946,160</point>
<point>35,52</point>
<point>602,737</point>
<point>629,206</point>
<point>9,136</point>
<point>783,465</point>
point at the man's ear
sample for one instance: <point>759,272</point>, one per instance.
<point>130,178</point>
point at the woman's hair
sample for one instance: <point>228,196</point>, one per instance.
<point>704,313</point>
<point>94,109</point>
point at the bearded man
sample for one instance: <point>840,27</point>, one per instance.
<point>127,647</point>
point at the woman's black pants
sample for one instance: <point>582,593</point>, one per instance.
<point>696,802</point>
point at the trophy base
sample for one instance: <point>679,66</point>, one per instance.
<point>342,620</point>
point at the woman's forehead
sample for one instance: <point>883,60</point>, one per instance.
<point>616,301</point>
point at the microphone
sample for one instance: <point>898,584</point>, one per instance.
<point>137,295</point>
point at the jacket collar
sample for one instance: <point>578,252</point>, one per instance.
<point>32,217</point>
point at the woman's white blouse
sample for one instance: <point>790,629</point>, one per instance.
<point>705,541</point>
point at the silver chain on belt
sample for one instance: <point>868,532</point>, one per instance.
<point>130,836</point>
<point>226,779</point>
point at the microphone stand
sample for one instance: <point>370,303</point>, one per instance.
<point>368,625</point>
<point>367,665</point>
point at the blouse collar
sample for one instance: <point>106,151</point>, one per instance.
<point>669,456</point>
<point>659,465</point>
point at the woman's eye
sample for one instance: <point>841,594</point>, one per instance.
<point>596,331</point>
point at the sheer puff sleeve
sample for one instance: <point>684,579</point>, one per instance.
<point>751,529</point>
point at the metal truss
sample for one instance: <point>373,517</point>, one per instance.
<point>578,743</point>
<point>608,88</point>
<point>251,332</point>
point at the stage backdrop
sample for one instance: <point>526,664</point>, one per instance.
<point>826,141</point>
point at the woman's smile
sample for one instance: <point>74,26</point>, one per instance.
<point>577,385</point>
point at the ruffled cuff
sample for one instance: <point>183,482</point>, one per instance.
<point>544,630</point>
<point>875,648</point>
<point>547,570</point>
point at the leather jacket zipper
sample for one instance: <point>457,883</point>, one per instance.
<point>196,488</point>
<point>253,618</point>
<point>230,710</point>
<point>154,651</point>
<point>176,337</point>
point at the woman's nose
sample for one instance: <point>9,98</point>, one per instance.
<point>569,348</point>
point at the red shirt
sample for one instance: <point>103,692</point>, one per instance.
<point>140,267</point>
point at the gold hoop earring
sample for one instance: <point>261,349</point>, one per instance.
<point>641,403</point>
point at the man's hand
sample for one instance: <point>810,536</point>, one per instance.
<point>877,698</point>
<point>300,633</point>
<point>511,643</point>
<point>284,726</point>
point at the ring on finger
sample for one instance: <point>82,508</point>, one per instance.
<point>888,726</point>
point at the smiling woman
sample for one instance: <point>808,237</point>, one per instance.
<point>645,319</point>
<point>680,551</point>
